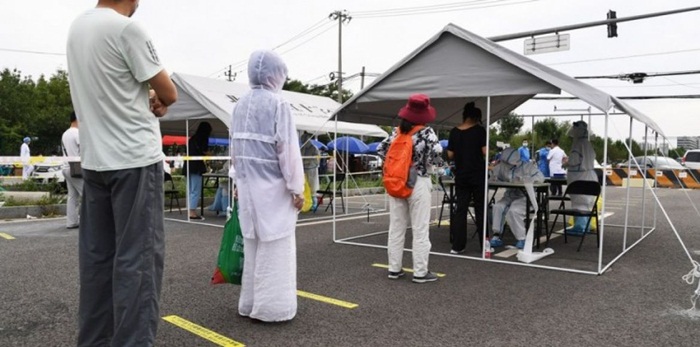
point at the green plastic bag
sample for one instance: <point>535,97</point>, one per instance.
<point>229,267</point>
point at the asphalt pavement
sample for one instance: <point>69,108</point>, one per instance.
<point>346,298</point>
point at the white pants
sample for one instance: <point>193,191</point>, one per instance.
<point>512,211</point>
<point>269,284</point>
<point>75,192</point>
<point>27,170</point>
<point>417,209</point>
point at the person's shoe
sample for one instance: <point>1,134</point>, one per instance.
<point>73,227</point>
<point>429,277</point>
<point>520,244</point>
<point>197,217</point>
<point>396,275</point>
<point>496,242</point>
<point>452,251</point>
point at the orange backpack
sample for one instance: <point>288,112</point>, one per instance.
<point>397,165</point>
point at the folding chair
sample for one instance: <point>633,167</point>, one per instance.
<point>452,201</point>
<point>171,191</point>
<point>328,191</point>
<point>588,188</point>
<point>446,199</point>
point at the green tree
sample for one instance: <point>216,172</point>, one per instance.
<point>330,90</point>
<point>509,125</point>
<point>17,106</point>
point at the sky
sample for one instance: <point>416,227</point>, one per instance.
<point>204,37</point>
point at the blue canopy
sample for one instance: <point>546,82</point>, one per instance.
<point>443,143</point>
<point>348,144</point>
<point>373,147</point>
<point>218,141</point>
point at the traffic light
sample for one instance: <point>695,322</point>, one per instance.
<point>612,27</point>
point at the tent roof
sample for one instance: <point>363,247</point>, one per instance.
<point>456,66</point>
<point>201,98</point>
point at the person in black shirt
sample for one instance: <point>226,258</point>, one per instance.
<point>467,148</point>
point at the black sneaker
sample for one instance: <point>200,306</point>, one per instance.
<point>429,277</point>
<point>396,275</point>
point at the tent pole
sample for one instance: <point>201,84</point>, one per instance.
<point>484,224</point>
<point>335,159</point>
<point>629,179</point>
<point>187,162</point>
<point>605,184</point>
<point>656,151</point>
<point>644,188</point>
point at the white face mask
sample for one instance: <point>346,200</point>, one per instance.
<point>524,144</point>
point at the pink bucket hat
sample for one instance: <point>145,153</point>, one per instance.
<point>418,110</point>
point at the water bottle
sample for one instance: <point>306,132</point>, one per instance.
<point>487,248</point>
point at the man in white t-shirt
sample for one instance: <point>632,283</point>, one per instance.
<point>71,148</point>
<point>111,63</point>
<point>557,158</point>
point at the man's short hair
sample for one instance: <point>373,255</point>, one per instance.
<point>73,117</point>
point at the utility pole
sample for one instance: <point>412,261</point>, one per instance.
<point>231,76</point>
<point>362,79</point>
<point>340,16</point>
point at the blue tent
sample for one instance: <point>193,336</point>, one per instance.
<point>373,147</point>
<point>348,144</point>
<point>218,141</point>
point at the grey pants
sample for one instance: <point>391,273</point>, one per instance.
<point>121,249</point>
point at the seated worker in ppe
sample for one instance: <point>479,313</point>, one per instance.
<point>511,207</point>
<point>581,168</point>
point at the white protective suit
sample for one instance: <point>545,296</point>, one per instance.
<point>25,154</point>
<point>581,168</point>
<point>511,207</point>
<point>267,169</point>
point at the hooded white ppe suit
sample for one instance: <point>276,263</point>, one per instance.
<point>511,207</point>
<point>267,168</point>
<point>581,168</point>
<point>25,154</point>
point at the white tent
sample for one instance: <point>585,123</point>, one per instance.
<point>208,98</point>
<point>455,67</point>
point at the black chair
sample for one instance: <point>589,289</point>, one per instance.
<point>588,188</point>
<point>446,199</point>
<point>328,192</point>
<point>452,201</point>
<point>171,191</point>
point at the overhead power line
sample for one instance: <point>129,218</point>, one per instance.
<point>639,77</point>
<point>30,51</point>
<point>439,8</point>
<point>323,25</point>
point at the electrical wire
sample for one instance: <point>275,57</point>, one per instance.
<point>625,56</point>
<point>454,7</point>
<point>314,27</point>
<point>30,51</point>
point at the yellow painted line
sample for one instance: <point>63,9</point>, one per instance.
<point>384,266</point>
<point>7,236</point>
<point>326,299</point>
<point>202,331</point>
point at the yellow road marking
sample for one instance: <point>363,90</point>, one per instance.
<point>326,299</point>
<point>384,266</point>
<point>202,332</point>
<point>7,236</point>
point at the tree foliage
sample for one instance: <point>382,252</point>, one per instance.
<point>39,110</point>
<point>330,90</point>
<point>509,125</point>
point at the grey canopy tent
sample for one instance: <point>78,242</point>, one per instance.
<point>456,66</point>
